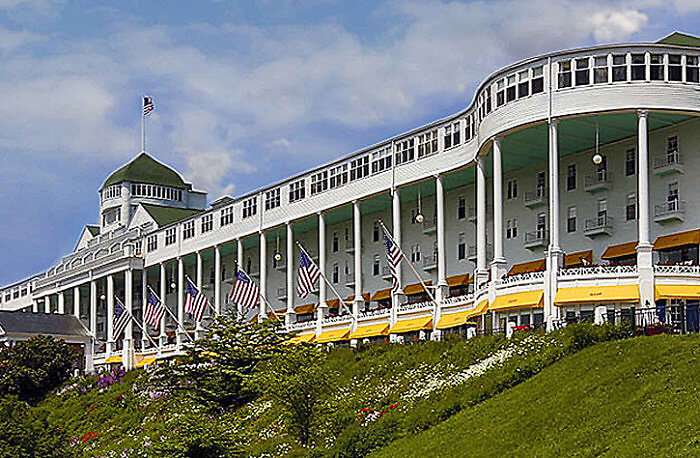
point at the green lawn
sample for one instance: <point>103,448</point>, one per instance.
<point>635,397</point>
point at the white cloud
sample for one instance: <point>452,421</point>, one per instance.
<point>617,25</point>
<point>11,40</point>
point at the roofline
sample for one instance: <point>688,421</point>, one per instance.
<point>187,184</point>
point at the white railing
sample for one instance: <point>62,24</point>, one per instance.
<point>602,222</point>
<point>83,267</point>
<point>525,277</point>
<point>430,261</point>
<point>456,300</point>
<point>676,269</point>
<point>337,318</point>
<point>670,207</point>
<point>535,197</point>
<point>423,305</point>
<point>667,159</point>
<point>596,178</point>
<point>598,271</point>
<point>302,325</point>
<point>540,236</point>
<point>375,312</point>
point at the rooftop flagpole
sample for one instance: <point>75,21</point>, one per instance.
<point>143,124</point>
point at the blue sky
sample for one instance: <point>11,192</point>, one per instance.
<point>247,92</point>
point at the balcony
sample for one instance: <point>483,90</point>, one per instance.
<point>672,210</point>
<point>471,252</point>
<point>282,293</point>
<point>600,225</point>
<point>598,181</point>
<point>430,262</point>
<point>429,225</point>
<point>349,246</point>
<point>536,239</point>
<point>350,279</point>
<point>665,164</point>
<point>386,273</point>
<point>535,199</point>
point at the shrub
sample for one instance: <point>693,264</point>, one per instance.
<point>24,431</point>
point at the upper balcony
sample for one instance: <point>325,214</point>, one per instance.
<point>430,225</point>
<point>350,278</point>
<point>600,225</point>
<point>672,210</point>
<point>536,198</point>
<point>430,261</point>
<point>536,239</point>
<point>667,163</point>
<point>598,181</point>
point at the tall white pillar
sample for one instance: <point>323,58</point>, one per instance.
<point>262,313</point>
<point>499,262</point>
<point>322,304</point>
<point>110,314</point>
<point>645,266</point>
<point>128,353</point>
<point>93,308</point>
<point>76,302</point>
<point>441,248</point>
<point>554,253</point>
<point>61,302</point>
<point>481,273</point>
<point>35,305</point>
<point>396,229</point>
<point>217,279</point>
<point>144,301</point>
<point>239,265</point>
<point>162,293</point>
<point>289,316</point>
<point>198,279</point>
<point>180,301</point>
<point>47,303</point>
<point>358,302</point>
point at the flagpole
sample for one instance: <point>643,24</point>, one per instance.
<point>415,272</point>
<point>208,304</point>
<point>167,309</point>
<point>261,292</point>
<point>143,126</point>
<point>340,299</point>
<point>134,320</point>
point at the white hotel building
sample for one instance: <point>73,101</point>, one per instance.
<point>518,222</point>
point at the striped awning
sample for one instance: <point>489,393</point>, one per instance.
<point>577,259</point>
<point>622,250</point>
<point>414,324</point>
<point>333,336</point>
<point>527,299</point>
<point>370,330</point>
<point>527,267</point>
<point>597,294</point>
<point>382,294</point>
<point>459,280</point>
<point>302,338</point>
<point>677,240</point>
<point>416,288</point>
<point>689,292</point>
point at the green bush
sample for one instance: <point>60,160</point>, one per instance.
<point>25,432</point>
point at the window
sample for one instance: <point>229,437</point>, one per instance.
<point>639,68</point>
<point>428,143</point>
<point>631,207</point>
<point>272,199</point>
<point>250,207</point>
<point>226,216</point>
<point>461,207</point>
<point>375,265</point>
<point>336,273</point>
<point>207,223</point>
<point>619,68</point>
<point>571,220</point>
<point>692,73</point>
<point>564,74</point>
<point>656,67</point>
<point>541,184</point>
<point>359,168</point>
<point>602,211</point>
<point>112,215</point>
<point>468,128</point>
<point>339,176</point>
<point>600,71</point>
<point>375,232</point>
<point>630,166</point>
<point>541,226</point>
<point>381,160</point>
<point>461,247</point>
<point>500,92</point>
<point>335,245</point>
<point>583,74</point>
<point>672,145</point>
<point>537,80</point>
<point>170,236</point>
<point>188,230</point>
<point>571,177</point>
<point>297,191</point>
<point>113,191</point>
<point>319,182</point>
<point>512,192</point>
<point>415,253</point>
<point>511,228</point>
<point>451,136</point>
<point>152,243</point>
<point>675,71</point>
<point>672,196</point>
<point>510,90</point>
<point>404,151</point>
<point>523,83</point>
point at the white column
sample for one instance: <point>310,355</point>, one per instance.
<point>93,308</point>
<point>289,316</point>
<point>262,313</point>
<point>481,272</point>
<point>357,256</point>
<point>162,293</point>
<point>322,305</point>
<point>110,314</point>
<point>554,253</point>
<point>128,353</point>
<point>35,305</point>
<point>198,279</point>
<point>47,303</point>
<point>645,266</point>
<point>499,261</point>
<point>61,302</point>
<point>144,300</point>
<point>180,301</point>
<point>239,262</point>
<point>76,302</point>
<point>441,249</point>
<point>217,279</point>
<point>396,229</point>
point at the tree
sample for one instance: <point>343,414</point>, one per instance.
<point>298,382</point>
<point>32,368</point>
<point>24,431</point>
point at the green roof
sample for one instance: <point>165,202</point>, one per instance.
<point>168,215</point>
<point>144,169</point>
<point>94,230</point>
<point>680,39</point>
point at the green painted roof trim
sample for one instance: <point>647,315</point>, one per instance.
<point>94,230</point>
<point>168,215</point>
<point>144,169</point>
<point>680,39</point>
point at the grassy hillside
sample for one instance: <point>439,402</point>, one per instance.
<point>634,397</point>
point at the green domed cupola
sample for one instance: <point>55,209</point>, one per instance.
<point>144,169</point>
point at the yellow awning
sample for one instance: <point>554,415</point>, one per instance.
<point>113,359</point>
<point>416,288</point>
<point>458,280</point>
<point>450,320</point>
<point>382,294</point>
<point>333,303</point>
<point>365,297</point>
<point>211,354</point>
<point>675,240</point>
<point>303,309</point>
<point>527,299</point>
<point>414,324</point>
<point>576,259</point>
<point>333,336</point>
<point>370,330</point>
<point>690,292</point>
<point>302,338</point>
<point>150,360</point>
<point>527,267</point>
<point>588,294</point>
<point>620,251</point>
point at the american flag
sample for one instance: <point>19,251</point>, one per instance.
<point>308,276</point>
<point>154,311</point>
<point>148,105</point>
<point>195,301</point>
<point>122,317</point>
<point>245,292</point>
<point>393,257</point>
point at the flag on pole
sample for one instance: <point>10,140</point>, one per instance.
<point>148,105</point>
<point>393,257</point>
<point>245,292</point>
<point>122,317</point>
<point>195,301</point>
<point>154,311</point>
<point>308,276</point>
